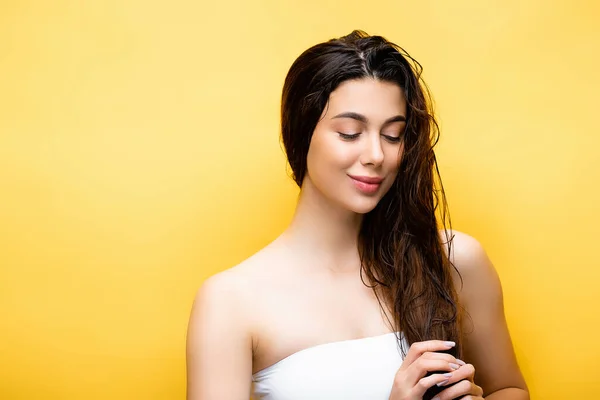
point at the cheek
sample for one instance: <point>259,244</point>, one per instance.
<point>393,159</point>
<point>327,151</point>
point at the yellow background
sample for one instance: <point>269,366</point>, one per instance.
<point>139,154</point>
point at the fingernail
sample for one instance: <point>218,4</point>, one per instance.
<point>461,362</point>
<point>448,375</point>
<point>442,383</point>
<point>454,366</point>
<point>449,344</point>
<point>436,398</point>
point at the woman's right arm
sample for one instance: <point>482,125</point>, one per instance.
<point>219,342</point>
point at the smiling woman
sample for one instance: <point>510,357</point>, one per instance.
<point>363,296</point>
<point>367,184</point>
<point>344,142</point>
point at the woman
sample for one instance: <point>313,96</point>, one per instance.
<point>362,296</point>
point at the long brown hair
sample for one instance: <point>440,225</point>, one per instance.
<point>400,246</point>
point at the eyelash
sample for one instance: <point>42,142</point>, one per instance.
<point>354,136</point>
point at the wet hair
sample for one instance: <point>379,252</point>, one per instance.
<point>400,246</point>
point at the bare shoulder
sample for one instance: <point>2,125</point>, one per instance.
<point>477,272</point>
<point>235,284</point>
<point>487,345</point>
<point>467,253</point>
<point>228,287</point>
<point>225,298</point>
<point>219,344</point>
<point>223,293</point>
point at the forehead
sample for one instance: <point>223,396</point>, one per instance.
<point>378,100</point>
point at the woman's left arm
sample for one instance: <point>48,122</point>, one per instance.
<point>492,371</point>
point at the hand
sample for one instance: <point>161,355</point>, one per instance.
<point>465,387</point>
<point>410,382</point>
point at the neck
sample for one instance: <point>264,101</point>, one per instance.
<point>325,233</point>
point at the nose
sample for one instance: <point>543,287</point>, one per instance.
<point>373,152</point>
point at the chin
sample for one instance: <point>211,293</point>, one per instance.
<point>363,206</point>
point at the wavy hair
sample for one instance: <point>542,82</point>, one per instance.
<point>400,246</point>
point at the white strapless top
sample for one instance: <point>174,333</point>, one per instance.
<point>346,370</point>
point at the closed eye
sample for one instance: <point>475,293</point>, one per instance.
<point>348,136</point>
<point>392,139</point>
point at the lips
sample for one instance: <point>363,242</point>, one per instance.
<point>367,179</point>
<point>368,185</point>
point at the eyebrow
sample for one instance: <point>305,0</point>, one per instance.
<point>364,120</point>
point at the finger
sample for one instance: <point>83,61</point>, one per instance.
<point>422,366</point>
<point>464,372</point>
<point>458,389</point>
<point>461,388</point>
<point>425,383</point>
<point>418,348</point>
<point>442,356</point>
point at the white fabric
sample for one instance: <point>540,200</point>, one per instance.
<point>345,370</point>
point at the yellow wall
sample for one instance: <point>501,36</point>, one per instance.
<point>139,154</point>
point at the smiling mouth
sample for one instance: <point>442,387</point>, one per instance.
<point>366,185</point>
<point>367,179</point>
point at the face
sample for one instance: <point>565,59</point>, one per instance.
<point>356,147</point>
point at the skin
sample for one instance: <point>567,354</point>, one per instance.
<point>304,288</point>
